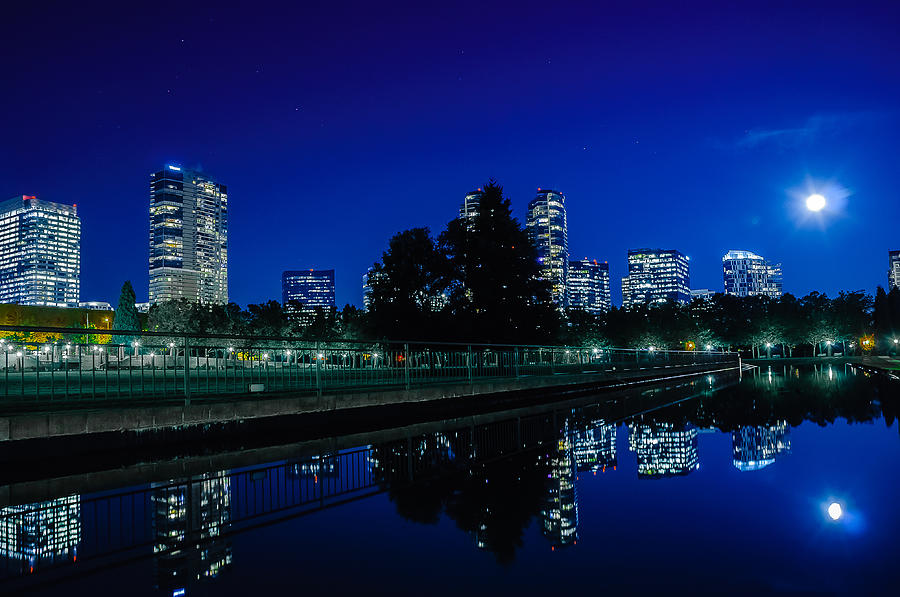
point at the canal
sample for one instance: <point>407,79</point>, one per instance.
<point>785,479</point>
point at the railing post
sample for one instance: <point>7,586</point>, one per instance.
<point>318,372</point>
<point>187,373</point>
<point>406,365</point>
<point>516,360</point>
<point>469,363</point>
<point>552,361</point>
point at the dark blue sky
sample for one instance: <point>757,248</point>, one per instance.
<point>334,125</point>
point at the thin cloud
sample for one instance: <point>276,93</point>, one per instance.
<point>816,127</point>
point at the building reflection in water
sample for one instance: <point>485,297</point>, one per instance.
<point>663,449</point>
<point>190,520</point>
<point>560,512</point>
<point>756,447</point>
<point>42,532</point>
<point>595,447</point>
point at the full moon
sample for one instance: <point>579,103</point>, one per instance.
<point>815,202</point>
<point>835,511</point>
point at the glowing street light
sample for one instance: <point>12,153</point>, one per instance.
<point>815,202</point>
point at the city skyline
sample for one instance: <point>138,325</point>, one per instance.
<point>383,137</point>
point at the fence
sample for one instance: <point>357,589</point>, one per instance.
<point>64,364</point>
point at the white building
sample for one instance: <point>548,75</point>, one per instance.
<point>748,274</point>
<point>40,253</point>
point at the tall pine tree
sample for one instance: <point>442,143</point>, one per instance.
<point>126,315</point>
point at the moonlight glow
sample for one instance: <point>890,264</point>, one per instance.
<point>815,202</point>
<point>835,511</point>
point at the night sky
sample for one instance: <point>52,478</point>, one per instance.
<point>335,125</point>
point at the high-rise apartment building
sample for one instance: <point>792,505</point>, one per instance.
<point>188,237</point>
<point>656,275</point>
<point>588,286</point>
<point>548,230</point>
<point>312,289</point>
<point>893,269</point>
<point>40,252</point>
<point>748,274</point>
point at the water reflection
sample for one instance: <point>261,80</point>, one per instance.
<point>492,478</point>
<point>756,447</point>
<point>43,531</point>
<point>191,519</point>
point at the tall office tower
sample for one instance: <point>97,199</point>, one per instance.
<point>748,274</point>
<point>40,253</point>
<point>312,289</point>
<point>548,230</point>
<point>188,237</point>
<point>469,208</point>
<point>588,286</point>
<point>42,532</point>
<point>893,269</point>
<point>656,275</point>
<point>757,447</point>
<point>663,449</point>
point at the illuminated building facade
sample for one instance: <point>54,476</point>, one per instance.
<point>469,208</point>
<point>663,450</point>
<point>756,447</point>
<point>656,275</point>
<point>368,280</point>
<point>43,531</point>
<point>595,448</point>
<point>588,286</point>
<point>40,253</point>
<point>188,237</point>
<point>548,230</point>
<point>893,269</point>
<point>312,289</point>
<point>190,519</point>
<point>748,274</point>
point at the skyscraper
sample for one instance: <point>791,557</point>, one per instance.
<point>40,252</point>
<point>469,208</point>
<point>188,237</point>
<point>656,275</point>
<point>311,288</point>
<point>893,269</point>
<point>748,274</point>
<point>548,230</point>
<point>588,286</point>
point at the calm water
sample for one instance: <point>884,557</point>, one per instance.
<point>711,486</point>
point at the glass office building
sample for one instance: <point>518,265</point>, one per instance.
<point>748,274</point>
<point>756,447</point>
<point>40,252</point>
<point>588,286</point>
<point>310,288</point>
<point>656,275</point>
<point>188,237</point>
<point>469,208</point>
<point>548,230</point>
<point>893,269</point>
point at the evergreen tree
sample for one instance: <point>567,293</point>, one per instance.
<point>126,317</point>
<point>496,294</point>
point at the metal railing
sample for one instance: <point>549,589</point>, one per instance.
<point>65,364</point>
